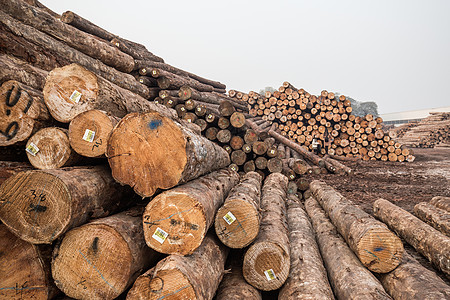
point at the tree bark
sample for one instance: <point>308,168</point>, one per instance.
<point>196,276</point>
<point>65,54</point>
<point>99,260</point>
<point>237,221</point>
<point>410,280</point>
<point>441,202</point>
<point>436,217</point>
<point>348,277</point>
<point>307,277</point>
<point>16,69</point>
<point>22,112</point>
<point>149,151</point>
<point>89,132</point>
<point>39,206</point>
<point>49,148</point>
<point>75,38</point>
<point>171,81</point>
<point>176,221</point>
<point>266,262</point>
<point>187,92</point>
<point>429,242</point>
<point>378,249</point>
<point>72,89</point>
<point>25,269</point>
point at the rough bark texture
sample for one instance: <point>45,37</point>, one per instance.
<point>410,280</point>
<point>441,202</point>
<point>379,249</point>
<point>429,242</point>
<point>196,276</point>
<point>233,285</point>
<point>24,269</point>
<point>62,54</point>
<point>16,69</point>
<point>436,217</point>
<point>22,112</point>
<point>149,151</point>
<point>171,81</point>
<point>307,277</point>
<point>49,148</point>
<point>39,206</point>
<point>99,260</point>
<point>73,37</point>
<point>72,89</point>
<point>266,262</point>
<point>89,132</point>
<point>237,221</point>
<point>348,277</point>
<point>185,213</point>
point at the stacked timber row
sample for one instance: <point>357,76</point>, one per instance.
<point>429,132</point>
<point>301,117</point>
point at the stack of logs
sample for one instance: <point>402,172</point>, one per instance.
<point>301,116</point>
<point>429,132</point>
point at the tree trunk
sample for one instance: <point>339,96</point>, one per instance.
<point>187,92</point>
<point>16,69</point>
<point>72,89</point>
<point>183,215</point>
<point>378,249</point>
<point>307,277</point>
<point>348,277</point>
<point>196,276</point>
<point>75,38</point>
<point>266,262</point>
<point>39,206</point>
<point>441,202</point>
<point>410,280</point>
<point>429,242</point>
<point>99,260</point>
<point>436,217</point>
<point>170,81</point>
<point>22,112</point>
<point>25,269</point>
<point>64,54</point>
<point>89,132</point>
<point>237,221</point>
<point>149,151</point>
<point>10,168</point>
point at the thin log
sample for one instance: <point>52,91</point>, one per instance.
<point>436,217</point>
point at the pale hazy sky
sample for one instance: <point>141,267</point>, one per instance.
<point>396,53</point>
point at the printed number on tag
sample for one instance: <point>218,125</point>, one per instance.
<point>160,235</point>
<point>270,274</point>
<point>75,97</point>
<point>89,135</point>
<point>229,218</point>
<point>32,149</point>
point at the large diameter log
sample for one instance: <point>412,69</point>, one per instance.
<point>233,284</point>
<point>429,242</point>
<point>99,260</point>
<point>348,277</point>
<point>176,221</point>
<point>267,261</point>
<point>441,202</point>
<point>24,269</point>
<point>22,112</point>
<point>89,132</point>
<point>196,276</point>
<point>237,221</point>
<point>49,148</point>
<point>436,217</point>
<point>307,277</point>
<point>378,248</point>
<point>73,37</point>
<point>64,54</point>
<point>39,206</point>
<point>72,89</point>
<point>410,280</point>
<point>16,69</point>
<point>149,151</point>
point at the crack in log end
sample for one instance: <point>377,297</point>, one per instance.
<point>154,124</point>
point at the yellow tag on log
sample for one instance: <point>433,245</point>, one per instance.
<point>32,149</point>
<point>160,235</point>
<point>75,97</point>
<point>270,274</point>
<point>229,218</point>
<point>89,135</point>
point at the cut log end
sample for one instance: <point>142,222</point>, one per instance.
<point>237,223</point>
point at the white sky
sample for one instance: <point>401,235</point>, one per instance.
<point>393,52</point>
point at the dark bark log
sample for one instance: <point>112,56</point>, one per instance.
<point>16,69</point>
<point>187,92</point>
